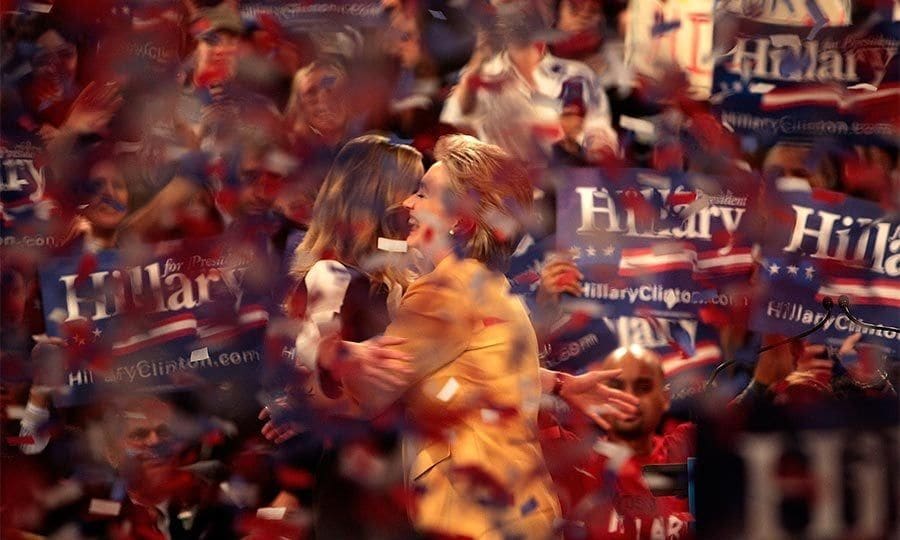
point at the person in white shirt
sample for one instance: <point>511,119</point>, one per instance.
<point>513,98</point>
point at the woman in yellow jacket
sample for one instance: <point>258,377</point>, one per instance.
<point>468,373</point>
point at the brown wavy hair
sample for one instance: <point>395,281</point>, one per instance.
<point>369,179</point>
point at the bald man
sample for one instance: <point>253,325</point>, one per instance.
<point>642,377</point>
<point>631,443</point>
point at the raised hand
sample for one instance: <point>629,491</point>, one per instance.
<point>94,108</point>
<point>589,394</point>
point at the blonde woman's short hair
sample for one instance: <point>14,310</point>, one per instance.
<point>493,189</point>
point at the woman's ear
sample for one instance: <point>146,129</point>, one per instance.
<point>464,228</point>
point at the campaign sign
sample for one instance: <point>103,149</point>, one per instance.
<point>825,471</point>
<point>821,243</point>
<point>652,244</point>
<point>688,348</point>
<point>676,34</point>
<point>773,82</point>
<point>25,207</point>
<point>176,317</point>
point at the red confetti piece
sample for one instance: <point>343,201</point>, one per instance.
<point>827,196</point>
<point>18,441</point>
<point>291,478</point>
<point>86,266</point>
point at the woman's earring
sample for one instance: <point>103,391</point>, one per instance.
<point>452,232</point>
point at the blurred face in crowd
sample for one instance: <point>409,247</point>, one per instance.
<point>322,100</point>
<point>792,160</point>
<point>526,56</point>
<point>217,54</point>
<point>404,40</point>
<point>579,15</point>
<point>642,377</point>
<point>56,58</point>
<point>259,185</point>
<point>430,218</point>
<point>108,196</point>
<point>141,446</point>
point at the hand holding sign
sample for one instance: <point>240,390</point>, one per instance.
<point>558,276</point>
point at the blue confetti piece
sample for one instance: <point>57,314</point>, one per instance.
<point>749,144</point>
<point>529,507</point>
<point>820,19</point>
<point>663,27</point>
<point>788,3</point>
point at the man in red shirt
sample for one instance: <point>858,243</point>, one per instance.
<point>617,502</point>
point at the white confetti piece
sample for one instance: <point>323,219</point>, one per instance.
<point>618,454</point>
<point>273,513</point>
<point>490,416</point>
<point>394,246</point>
<point>103,507</point>
<point>437,14</point>
<point>200,354</point>
<point>761,88</point>
<point>449,390</point>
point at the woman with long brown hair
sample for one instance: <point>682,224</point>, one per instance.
<point>345,287</point>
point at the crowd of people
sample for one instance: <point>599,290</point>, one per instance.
<point>271,271</point>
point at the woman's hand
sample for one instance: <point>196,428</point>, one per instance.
<point>374,363</point>
<point>274,430</point>
<point>589,394</point>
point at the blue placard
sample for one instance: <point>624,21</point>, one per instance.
<point>656,250</point>
<point>654,245</point>
<point>181,314</point>
<point>821,243</point>
<point>774,82</point>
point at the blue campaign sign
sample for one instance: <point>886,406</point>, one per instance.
<point>819,244</point>
<point>774,82</point>
<point>688,348</point>
<point>655,250</point>
<point>654,245</point>
<point>180,315</point>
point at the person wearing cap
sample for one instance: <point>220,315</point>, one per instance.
<point>511,99</point>
<point>568,152</point>
<point>217,30</point>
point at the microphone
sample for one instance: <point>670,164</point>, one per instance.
<point>844,303</point>
<point>827,303</point>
